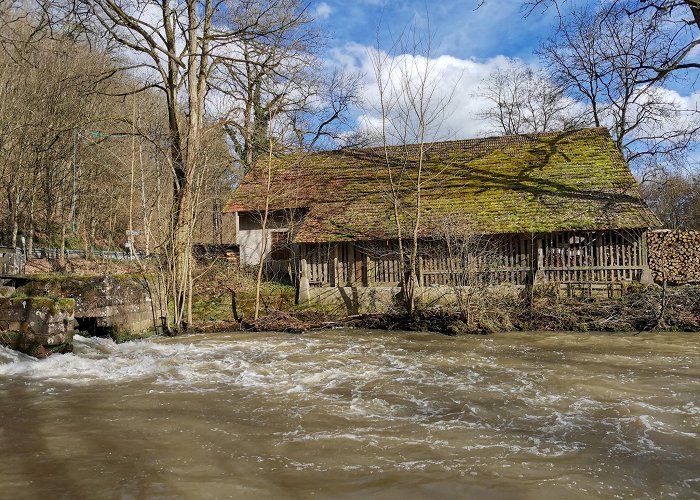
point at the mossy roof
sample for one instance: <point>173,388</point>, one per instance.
<point>548,182</point>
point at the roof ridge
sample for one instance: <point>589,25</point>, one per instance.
<point>475,140</point>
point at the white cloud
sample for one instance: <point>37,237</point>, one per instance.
<point>461,78</point>
<point>323,11</point>
<point>464,80</point>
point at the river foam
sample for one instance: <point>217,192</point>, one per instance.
<point>540,406</point>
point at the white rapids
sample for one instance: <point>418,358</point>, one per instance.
<point>346,413</point>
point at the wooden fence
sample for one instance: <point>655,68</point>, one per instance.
<point>564,257</point>
<point>571,257</point>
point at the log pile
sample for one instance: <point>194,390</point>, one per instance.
<point>674,256</point>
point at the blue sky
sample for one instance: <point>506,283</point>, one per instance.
<point>469,43</point>
<point>460,29</point>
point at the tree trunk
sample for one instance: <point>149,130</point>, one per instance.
<point>62,249</point>
<point>180,253</point>
<point>30,230</point>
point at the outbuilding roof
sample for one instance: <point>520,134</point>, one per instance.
<point>533,183</point>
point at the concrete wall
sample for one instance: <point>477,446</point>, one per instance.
<point>249,239</point>
<point>37,325</point>
<point>368,300</point>
<point>133,318</point>
<point>120,303</point>
<point>12,261</point>
<point>249,236</point>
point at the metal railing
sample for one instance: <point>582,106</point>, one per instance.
<point>53,253</point>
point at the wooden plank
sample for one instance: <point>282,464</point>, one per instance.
<point>524,259</point>
<point>599,253</point>
<point>368,271</point>
<point>594,268</point>
<point>618,257</point>
<point>622,248</point>
<point>332,265</point>
<point>511,259</point>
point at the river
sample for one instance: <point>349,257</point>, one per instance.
<point>346,414</point>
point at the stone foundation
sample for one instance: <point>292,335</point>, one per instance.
<point>34,321</point>
<point>341,301</point>
<point>369,300</point>
<point>119,307</point>
<point>37,326</point>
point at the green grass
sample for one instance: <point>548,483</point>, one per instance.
<point>218,307</point>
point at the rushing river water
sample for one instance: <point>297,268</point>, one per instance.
<point>345,414</point>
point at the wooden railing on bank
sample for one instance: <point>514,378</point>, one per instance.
<point>564,257</point>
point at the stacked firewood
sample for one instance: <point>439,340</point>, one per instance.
<point>674,256</point>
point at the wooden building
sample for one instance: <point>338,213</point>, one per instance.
<point>557,207</point>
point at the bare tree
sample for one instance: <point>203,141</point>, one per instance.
<point>472,259</point>
<point>675,198</point>
<point>283,74</point>
<point>270,73</point>
<point>678,21</point>
<point>522,100</point>
<point>412,111</point>
<point>180,45</point>
<point>48,97</point>
<point>605,59</point>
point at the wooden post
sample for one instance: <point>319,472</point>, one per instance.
<point>336,273</point>
<point>304,292</point>
<point>350,264</point>
<point>522,261</point>
<point>303,265</point>
<point>644,258</point>
<point>369,271</point>
<point>646,278</point>
<point>359,264</point>
<point>538,273</point>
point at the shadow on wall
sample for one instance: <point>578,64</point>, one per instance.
<point>370,300</point>
<point>355,300</point>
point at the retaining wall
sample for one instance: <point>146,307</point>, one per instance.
<point>37,326</point>
<point>368,300</point>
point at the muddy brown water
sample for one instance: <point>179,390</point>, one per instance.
<point>348,414</point>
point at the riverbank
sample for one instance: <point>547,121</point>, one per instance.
<point>640,309</point>
<point>543,308</point>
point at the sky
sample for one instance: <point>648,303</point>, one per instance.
<point>460,28</point>
<point>468,44</point>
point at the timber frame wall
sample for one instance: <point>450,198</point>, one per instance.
<point>517,259</point>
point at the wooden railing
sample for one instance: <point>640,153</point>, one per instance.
<point>565,257</point>
<point>592,256</point>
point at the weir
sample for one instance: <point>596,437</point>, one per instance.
<point>40,314</point>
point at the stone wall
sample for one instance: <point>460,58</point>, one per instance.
<point>37,326</point>
<point>340,301</point>
<point>12,261</point>
<point>117,306</point>
<point>674,256</point>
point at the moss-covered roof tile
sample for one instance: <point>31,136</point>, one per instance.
<point>512,184</point>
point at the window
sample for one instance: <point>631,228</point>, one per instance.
<point>279,245</point>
